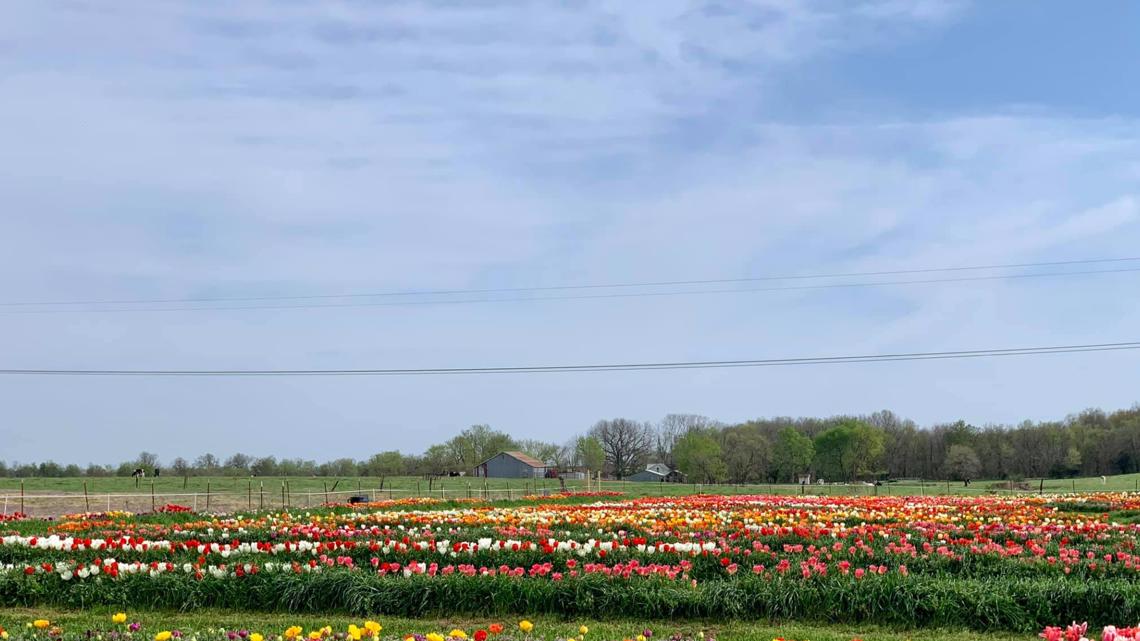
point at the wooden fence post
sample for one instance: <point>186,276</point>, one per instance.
<point>207,496</point>
<point>86,501</point>
<point>249,494</point>
<point>152,506</point>
<point>22,497</point>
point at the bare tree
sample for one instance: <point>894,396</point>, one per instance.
<point>148,460</point>
<point>625,442</point>
<point>673,427</point>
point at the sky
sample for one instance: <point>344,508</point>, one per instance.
<point>168,150</point>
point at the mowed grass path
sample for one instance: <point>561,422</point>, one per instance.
<point>546,627</point>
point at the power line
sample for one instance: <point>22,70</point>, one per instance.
<point>613,367</point>
<point>468,301</point>
<point>507,290</point>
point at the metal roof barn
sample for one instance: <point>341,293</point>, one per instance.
<point>511,465</point>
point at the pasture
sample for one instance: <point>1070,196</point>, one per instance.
<point>57,496</point>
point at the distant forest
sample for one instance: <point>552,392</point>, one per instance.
<point>882,445</point>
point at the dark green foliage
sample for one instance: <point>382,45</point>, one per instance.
<point>1018,604</point>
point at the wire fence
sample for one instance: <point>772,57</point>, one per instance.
<point>256,496</point>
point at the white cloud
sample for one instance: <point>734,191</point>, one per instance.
<point>185,149</point>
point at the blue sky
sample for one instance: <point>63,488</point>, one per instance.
<point>175,150</point>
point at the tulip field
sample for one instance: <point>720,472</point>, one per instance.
<point>1005,566</point>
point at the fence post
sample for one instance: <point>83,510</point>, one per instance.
<point>22,497</point>
<point>152,495</point>
<point>326,486</point>
<point>195,501</point>
<point>283,493</point>
<point>261,495</point>
<point>249,494</point>
<point>86,501</point>
<point>207,496</point>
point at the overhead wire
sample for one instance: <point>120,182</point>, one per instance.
<point>608,367</point>
<point>651,294</point>
<point>620,285</point>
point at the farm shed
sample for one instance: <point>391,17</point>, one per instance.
<point>511,465</point>
<point>657,472</point>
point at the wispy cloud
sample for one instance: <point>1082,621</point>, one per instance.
<point>181,149</point>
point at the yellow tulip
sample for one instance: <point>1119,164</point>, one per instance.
<point>315,634</point>
<point>457,634</point>
<point>583,629</point>
<point>41,623</point>
<point>373,627</point>
<point>354,632</point>
<point>256,637</point>
<point>119,617</point>
<point>434,636</point>
<point>163,636</point>
<point>641,637</point>
<point>526,626</point>
<point>293,632</point>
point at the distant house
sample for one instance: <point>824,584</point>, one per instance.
<point>511,465</point>
<point>658,472</point>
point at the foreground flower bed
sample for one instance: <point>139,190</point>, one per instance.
<point>120,627</point>
<point>982,562</point>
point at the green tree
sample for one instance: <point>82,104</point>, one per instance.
<point>962,463</point>
<point>588,453</point>
<point>390,463</point>
<point>868,447</point>
<point>264,466</point>
<point>747,453</point>
<point>1073,460</point>
<point>849,450</point>
<point>832,452</point>
<point>698,455</point>
<point>792,455</point>
<point>476,444</point>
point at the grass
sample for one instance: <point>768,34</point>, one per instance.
<point>545,626</point>
<point>54,496</point>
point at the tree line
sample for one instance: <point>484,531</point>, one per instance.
<point>881,445</point>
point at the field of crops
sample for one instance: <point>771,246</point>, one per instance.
<point>1014,565</point>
